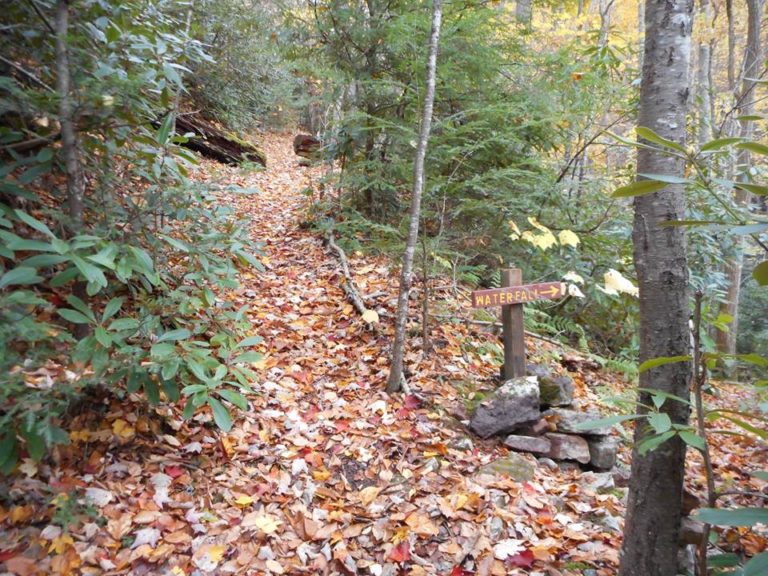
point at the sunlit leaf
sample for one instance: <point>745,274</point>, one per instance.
<point>733,517</point>
<point>656,362</point>
<point>639,188</point>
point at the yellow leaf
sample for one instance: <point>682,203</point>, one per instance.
<point>122,429</point>
<point>538,225</point>
<point>573,277</point>
<point>368,495</point>
<point>208,556</point>
<point>244,501</point>
<point>421,524</point>
<point>79,436</point>
<point>461,499</point>
<point>60,544</point>
<point>263,522</point>
<point>568,238</point>
<point>615,283</point>
<point>544,241</point>
<point>228,446</point>
<point>371,316</point>
<point>20,514</point>
<point>321,475</point>
<point>515,230</point>
<point>401,534</point>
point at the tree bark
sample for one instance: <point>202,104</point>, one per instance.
<point>604,8</point>
<point>70,145</point>
<point>703,75</point>
<point>524,12</point>
<point>394,381</point>
<point>654,508</point>
<point>753,55</point>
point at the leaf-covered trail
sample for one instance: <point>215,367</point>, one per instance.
<point>330,475</point>
<point>325,473</point>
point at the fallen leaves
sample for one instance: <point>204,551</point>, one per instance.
<point>326,473</point>
<point>208,556</point>
<point>264,522</point>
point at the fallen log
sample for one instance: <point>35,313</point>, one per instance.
<point>211,142</point>
<point>350,288</point>
<point>306,146</point>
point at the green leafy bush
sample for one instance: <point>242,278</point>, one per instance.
<point>143,281</point>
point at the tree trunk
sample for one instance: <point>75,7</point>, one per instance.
<point>398,347</point>
<point>726,341</point>
<point>604,8</point>
<point>654,508</point>
<point>641,33</point>
<point>70,145</point>
<point>731,45</point>
<point>524,12</point>
<point>703,75</point>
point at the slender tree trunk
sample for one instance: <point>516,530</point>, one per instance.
<point>524,12</point>
<point>641,33</point>
<point>731,45</point>
<point>654,507</point>
<point>753,55</point>
<point>605,7</point>
<point>398,347</point>
<point>703,85</point>
<point>70,145</point>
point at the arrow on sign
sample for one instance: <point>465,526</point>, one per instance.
<point>553,291</point>
<point>510,295</point>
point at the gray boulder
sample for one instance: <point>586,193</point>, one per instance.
<point>568,447</point>
<point>516,466</point>
<point>514,403</point>
<point>538,370</point>
<point>557,391</point>
<point>602,452</point>
<point>528,444</point>
<point>571,421</point>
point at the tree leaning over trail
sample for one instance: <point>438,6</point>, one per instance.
<point>654,508</point>
<point>398,347</point>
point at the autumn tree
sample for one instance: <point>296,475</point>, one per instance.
<point>654,508</point>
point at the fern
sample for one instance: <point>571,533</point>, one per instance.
<point>560,327</point>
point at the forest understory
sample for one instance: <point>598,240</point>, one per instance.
<point>325,473</point>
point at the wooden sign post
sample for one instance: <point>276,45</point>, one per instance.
<point>511,297</point>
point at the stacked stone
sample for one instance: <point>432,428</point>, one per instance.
<point>536,414</point>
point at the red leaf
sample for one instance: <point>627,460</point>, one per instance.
<point>459,571</point>
<point>401,552</point>
<point>8,554</point>
<point>411,402</point>
<point>174,471</point>
<point>522,560</point>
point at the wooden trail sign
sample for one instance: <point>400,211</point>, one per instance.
<point>517,294</point>
<point>511,297</point>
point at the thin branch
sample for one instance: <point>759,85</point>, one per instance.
<point>42,17</point>
<point>27,73</point>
